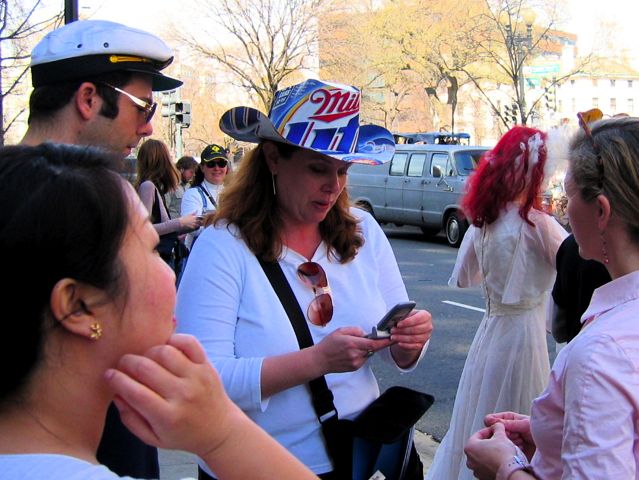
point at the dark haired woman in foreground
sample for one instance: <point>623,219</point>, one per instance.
<point>88,318</point>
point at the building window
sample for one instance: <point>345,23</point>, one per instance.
<point>594,82</point>
<point>573,105</point>
<point>613,106</point>
<point>613,83</point>
<point>629,83</point>
<point>595,102</point>
<point>560,106</point>
<point>631,105</point>
<point>572,81</point>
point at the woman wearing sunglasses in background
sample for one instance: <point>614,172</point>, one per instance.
<point>204,195</point>
<point>584,425</point>
<point>288,203</point>
<point>96,325</point>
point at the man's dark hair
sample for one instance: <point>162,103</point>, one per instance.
<point>47,100</point>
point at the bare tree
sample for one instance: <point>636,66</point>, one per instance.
<point>18,28</point>
<point>516,33</point>
<point>262,44</point>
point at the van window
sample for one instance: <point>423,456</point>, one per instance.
<point>416,164</point>
<point>467,160</point>
<point>440,166</point>
<point>398,164</point>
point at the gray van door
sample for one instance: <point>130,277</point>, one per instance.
<point>442,190</point>
<point>394,188</point>
<point>414,189</point>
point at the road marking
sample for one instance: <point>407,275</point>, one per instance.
<point>462,305</point>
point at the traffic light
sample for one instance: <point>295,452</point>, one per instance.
<point>183,114</point>
<point>168,103</point>
<point>510,113</point>
<point>550,98</point>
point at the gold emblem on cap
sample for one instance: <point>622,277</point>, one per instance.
<point>127,58</point>
<point>215,148</point>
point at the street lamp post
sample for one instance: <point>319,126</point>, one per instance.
<point>520,44</point>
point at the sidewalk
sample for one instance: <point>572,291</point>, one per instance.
<point>176,465</point>
<point>426,447</point>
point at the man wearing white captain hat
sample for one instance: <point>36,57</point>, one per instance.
<point>93,82</point>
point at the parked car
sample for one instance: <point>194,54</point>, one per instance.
<point>422,185</point>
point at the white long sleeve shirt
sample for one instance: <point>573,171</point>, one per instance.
<point>227,302</point>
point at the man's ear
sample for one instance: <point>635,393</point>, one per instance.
<point>272,156</point>
<point>87,101</point>
<point>604,212</point>
<point>71,303</point>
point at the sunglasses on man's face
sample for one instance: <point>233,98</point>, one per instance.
<point>216,163</point>
<point>320,310</point>
<point>143,105</point>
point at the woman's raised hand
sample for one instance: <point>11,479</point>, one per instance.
<point>190,222</point>
<point>172,397</point>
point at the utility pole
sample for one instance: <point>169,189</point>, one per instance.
<point>70,11</point>
<point>179,115</point>
<point>519,46</point>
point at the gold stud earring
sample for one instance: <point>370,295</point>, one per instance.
<point>96,331</point>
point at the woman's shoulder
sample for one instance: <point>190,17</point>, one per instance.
<point>147,185</point>
<point>52,466</point>
<point>363,217</point>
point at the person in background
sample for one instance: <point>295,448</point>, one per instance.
<point>187,166</point>
<point>509,250</point>
<point>576,280</point>
<point>95,325</point>
<point>584,425</point>
<point>93,84</point>
<point>156,177</point>
<point>204,196</point>
<point>287,203</point>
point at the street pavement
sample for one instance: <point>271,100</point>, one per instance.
<point>176,465</point>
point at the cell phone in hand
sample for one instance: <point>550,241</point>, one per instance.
<point>396,314</point>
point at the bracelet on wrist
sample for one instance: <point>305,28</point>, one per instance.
<point>514,464</point>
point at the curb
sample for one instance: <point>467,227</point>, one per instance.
<point>426,447</point>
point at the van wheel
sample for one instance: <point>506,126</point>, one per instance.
<point>455,230</point>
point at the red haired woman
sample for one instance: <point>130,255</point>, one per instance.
<point>509,251</point>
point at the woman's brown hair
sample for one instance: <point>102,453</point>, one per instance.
<point>155,164</point>
<point>249,203</point>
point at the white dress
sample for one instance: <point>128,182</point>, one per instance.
<point>507,364</point>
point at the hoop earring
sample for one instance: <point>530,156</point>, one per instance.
<point>96,331</point>
<point>273,183</point>
<point>604,250</point>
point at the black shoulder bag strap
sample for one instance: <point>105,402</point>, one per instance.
<point>320,393</point>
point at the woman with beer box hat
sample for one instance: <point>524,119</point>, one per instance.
<point>287,206</point>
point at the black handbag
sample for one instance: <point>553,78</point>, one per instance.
<point>169,241</point>
<point>381,437</point>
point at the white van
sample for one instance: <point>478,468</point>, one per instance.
<point>422,185</point>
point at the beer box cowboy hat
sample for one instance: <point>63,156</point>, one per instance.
<point>318,116</point>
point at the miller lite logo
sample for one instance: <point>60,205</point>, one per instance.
<point>334,104</point>
<point>324,118</point>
